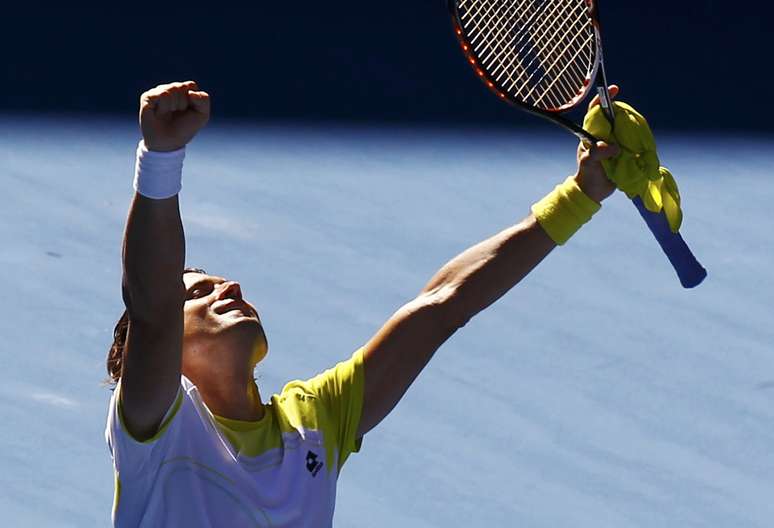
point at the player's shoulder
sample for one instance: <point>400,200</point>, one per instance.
<point>297,406</point>
<point>298,390</point>
<point>317,397</point>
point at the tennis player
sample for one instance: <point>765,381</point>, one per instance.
<point>192,442</point>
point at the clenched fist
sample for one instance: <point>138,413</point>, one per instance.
<point>172,114</point>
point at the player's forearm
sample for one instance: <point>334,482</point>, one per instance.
<point>153,256</point>
<point>483,273</point>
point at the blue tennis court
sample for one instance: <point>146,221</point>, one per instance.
<point>597,393</point>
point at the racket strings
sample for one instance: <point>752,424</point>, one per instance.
<point>490,42</point>
<point>541,52</point>
<point>555,55</point>
<point>566,79</point>
<point>490,37</point>
<point>539,33</point>
<point>517,41</point>
<point>542,56</point>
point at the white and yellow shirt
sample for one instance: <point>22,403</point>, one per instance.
<point>200,470</point>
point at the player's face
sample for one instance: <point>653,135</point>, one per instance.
<point>218,321</point>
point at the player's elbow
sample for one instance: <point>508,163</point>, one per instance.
<point>446,307</point>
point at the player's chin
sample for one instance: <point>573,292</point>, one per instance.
<point>241,312</point>
<point>238,318</point>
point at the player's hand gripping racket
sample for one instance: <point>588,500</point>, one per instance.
<point>544,56</point>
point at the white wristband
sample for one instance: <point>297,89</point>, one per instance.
<point>158,175</point>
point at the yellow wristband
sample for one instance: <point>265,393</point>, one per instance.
<point>564,210</point>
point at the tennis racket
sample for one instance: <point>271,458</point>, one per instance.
<point>545,57</point>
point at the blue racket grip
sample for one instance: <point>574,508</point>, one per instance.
<point>688,269</point>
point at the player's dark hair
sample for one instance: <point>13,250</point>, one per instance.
<point>115,357</point>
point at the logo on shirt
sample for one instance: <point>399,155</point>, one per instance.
<point>312,465</point>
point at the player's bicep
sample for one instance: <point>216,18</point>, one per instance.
<point>396,355</point>
<point>151,373</point>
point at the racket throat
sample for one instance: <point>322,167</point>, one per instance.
<point>604,95</point>
<point>604,99</point>
<point>606,103</point>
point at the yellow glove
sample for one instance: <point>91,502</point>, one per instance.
<point>636,170</point>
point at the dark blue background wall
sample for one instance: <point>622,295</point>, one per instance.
<point>684,64</point>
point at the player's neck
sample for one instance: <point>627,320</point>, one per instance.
<point>233,400</point>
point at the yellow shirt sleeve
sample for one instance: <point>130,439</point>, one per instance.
<point>340,391</point>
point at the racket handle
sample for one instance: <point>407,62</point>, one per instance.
<point>688,269</point>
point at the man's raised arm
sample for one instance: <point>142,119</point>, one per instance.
<point>474,280</point>
<point>154,255</point>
